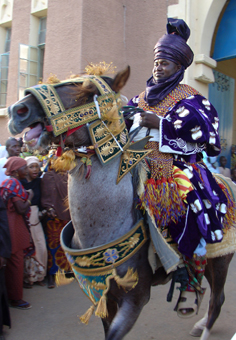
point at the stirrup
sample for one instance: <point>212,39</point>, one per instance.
<point>180,275</point>
<point>189,300</point>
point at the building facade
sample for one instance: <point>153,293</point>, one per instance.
<point>43,37</point>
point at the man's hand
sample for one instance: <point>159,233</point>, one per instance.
<point>51,213</point>
<point>149,120</point>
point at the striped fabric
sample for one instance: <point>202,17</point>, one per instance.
<point>183,183</point>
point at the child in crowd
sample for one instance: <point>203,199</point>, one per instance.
<point>222,168</point>
<point>35,274</point>
<point>233,175</point>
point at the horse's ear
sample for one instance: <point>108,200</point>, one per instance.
<point>120,79</point>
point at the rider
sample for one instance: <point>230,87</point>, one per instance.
<point>180,193</point>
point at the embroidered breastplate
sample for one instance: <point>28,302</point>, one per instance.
<point>182,91</point>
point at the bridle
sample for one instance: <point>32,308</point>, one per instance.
<point>103,118</point>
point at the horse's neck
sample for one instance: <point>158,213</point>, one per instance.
<point>101,211</point>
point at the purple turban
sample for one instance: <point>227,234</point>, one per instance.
<point>171,46</point>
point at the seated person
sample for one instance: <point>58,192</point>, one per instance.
<point>180,192</point>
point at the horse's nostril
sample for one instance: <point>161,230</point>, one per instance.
<point>22,110</point>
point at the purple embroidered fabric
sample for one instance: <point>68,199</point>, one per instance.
<point>187,129</point>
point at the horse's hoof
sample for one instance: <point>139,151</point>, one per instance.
<point>197,332</point>
<point>205,334</point>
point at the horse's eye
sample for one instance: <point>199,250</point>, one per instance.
<point>22,110</point>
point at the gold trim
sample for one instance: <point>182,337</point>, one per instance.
<point>62,119</point>
<point>135,160</point>
<point>96,250</point>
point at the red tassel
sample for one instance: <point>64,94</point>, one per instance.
<point>89,169</point>
<point>59,151</point>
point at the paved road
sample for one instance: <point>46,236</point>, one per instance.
<point>54,316</point>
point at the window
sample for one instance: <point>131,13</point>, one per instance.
<point>31,61</point>
<point>4,62</point>
<point>8,40</point>
<point>28,68</point>
<point>41,44</point>
<point>42,31</point>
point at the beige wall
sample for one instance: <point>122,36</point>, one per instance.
<point>63,40</point>
<point>19,35</point>
<point>86,33</point>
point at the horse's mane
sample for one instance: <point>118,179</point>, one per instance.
<point>85,91</point>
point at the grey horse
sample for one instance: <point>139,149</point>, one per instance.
<point>103,211</point>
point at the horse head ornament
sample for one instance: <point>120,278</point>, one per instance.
<point>60,112</point>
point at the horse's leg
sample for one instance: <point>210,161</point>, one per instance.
<point>112,310</point>
<point>199,326</point>
<point>216,273</point>
<point>126,317</point>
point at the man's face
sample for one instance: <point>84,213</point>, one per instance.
<point>223,161</point>
<point>164,68</point>
<point>13,148</point>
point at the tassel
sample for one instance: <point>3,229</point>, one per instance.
<point>86,317</point>
<point>66,162</point>
<point>62,280</point>
<point>162,199</point>
<point>101,310</point>
<point>129,281</point>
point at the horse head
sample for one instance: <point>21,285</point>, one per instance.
<point>51,110</point>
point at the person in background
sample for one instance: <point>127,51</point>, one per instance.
<point>35,273</point>
<point>17,201</point>
<point>53,195</point>
<point>25,152</point>
<point>233,175</point>
<point>222,168</point>
<point>233,157</point>
<point>13,148</point>
<point>3,151</point>
<point>5,253</point>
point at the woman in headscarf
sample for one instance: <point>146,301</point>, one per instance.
<point>32,181</point>
<point>180,193</point>
<point>5,253</point>
<point>17,201</point>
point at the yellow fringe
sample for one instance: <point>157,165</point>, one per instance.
<point>61,279</point>
<point>129,281</point>
<point>86,317</point>
<point>101,310</point>
<point>65,162</point>
<point>100,68</point>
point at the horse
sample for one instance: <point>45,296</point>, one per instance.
<point>103,211</point>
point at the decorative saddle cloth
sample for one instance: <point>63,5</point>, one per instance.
<point>95,267</point>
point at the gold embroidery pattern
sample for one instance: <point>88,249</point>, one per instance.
<point>182,91</point>
<point>102,259</point>
<point>62,119</point>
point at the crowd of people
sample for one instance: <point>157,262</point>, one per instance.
<point>32,214</point>
<point>219,164</point>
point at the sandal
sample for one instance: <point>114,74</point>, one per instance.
<point>27,285</point>
<point>188,303</point>
<point>20,304</point>
<point>40,283</point>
